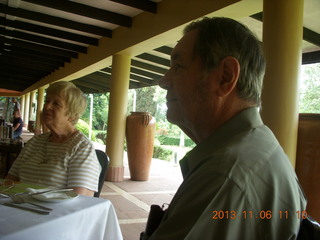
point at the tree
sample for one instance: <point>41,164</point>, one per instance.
<point>310,89</point>
<point>144,100</point>
<point>100,111</point>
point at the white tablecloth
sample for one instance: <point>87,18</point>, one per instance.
<point>83,218</point>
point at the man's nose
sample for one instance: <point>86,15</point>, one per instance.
<point>164,82</point>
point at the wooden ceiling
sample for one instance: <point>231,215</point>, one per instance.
<point>39,37</point>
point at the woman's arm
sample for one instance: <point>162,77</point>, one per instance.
<point>16,126</point>
<point>84,168</point>
<point>83,191</point>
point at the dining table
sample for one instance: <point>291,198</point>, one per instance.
<point>76,218</point>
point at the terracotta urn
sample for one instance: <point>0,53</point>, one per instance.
<point>140,131</point>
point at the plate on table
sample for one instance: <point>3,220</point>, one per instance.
<point>56,196</point>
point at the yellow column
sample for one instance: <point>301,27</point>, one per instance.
<point>22,106</point>
<point>26,110</point>
<point>39,110</point>
<point>32,105</point>
<point>117,115</point>
<point>282,41</point>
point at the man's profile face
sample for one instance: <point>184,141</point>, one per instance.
<point>185,84</point>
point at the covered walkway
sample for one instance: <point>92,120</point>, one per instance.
<point>132,199</point>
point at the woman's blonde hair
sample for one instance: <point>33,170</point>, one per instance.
<point>75,100</point>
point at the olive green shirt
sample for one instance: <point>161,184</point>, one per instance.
<point>238,184</point>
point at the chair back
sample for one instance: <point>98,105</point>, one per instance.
<point>104,162</point>
<point>309,229</point>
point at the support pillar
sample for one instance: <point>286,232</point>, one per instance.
<point>120,77</point>
<point>26,110</point>
<point>22,106</point>
<point>32,110</point>
<point>282,42</point>
<point>40,101</point>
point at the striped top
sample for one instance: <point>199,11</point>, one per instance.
<point>73,163</point>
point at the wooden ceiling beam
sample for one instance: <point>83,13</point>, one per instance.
<point>144,80</point>
<point>39,48</point>
<point>89,87</point>
<point>155,59</point>
<point>311,57</point>
<point>148,66</point>
<point>85,10</point>
<point>21,76</point>
<point>34,53</point>
<point>145,73</point>
<point>13,84</point>
<point>16,61</point>
<point>311,36</point>
<point>144,5</point>
<point>43,40</point>
<point>94,83</point>
<point>61,22</point>
<point>164,49</point>
<point>39,59</point>
<point>5,67</point>
<point>49,31</point>
<point>135,85</point>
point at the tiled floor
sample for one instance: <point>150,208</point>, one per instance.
<point>132,199</point>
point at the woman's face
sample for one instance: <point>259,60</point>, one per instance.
<point>55,112</point>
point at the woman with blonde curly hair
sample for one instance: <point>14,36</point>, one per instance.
<point>63,157</point>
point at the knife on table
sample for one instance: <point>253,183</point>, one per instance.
<point>26,208</point>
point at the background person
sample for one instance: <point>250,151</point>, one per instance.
<point>63,157</point>
<point>237,180</point>
<point>17,125</point>
<point>16,105</point>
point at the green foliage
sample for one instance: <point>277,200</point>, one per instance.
<point>98,140</point>
<point>144,100</point>
<point>83,127</point>
<point>174,141</point>
<point>101,135</point>
<point>162,153</point>
<point>310,89</point>
<point>100,110</point>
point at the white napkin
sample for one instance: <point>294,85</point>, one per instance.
<point>49,195</point>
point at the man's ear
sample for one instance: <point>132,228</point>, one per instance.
<point>229,75</point>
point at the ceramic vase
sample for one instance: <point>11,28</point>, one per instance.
<point>140,132</point>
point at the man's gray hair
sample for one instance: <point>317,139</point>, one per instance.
<point>218,38</point>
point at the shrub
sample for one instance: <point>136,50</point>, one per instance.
<point>98,140</point>
<point>83,127</point>
<point>102,135</point>
<point>162,153</point>
<point>174,141</point>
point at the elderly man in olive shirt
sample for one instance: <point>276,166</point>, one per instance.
<point>238,182</point>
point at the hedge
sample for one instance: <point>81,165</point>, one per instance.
<point>174,141</point>
<point>162,153</point>
<point>102,135</point>
<point>83,127</point>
